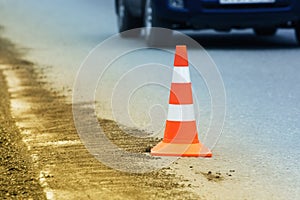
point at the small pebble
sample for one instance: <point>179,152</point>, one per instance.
<point>148,149</point>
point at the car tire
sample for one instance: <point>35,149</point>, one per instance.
<point>153,34</point>
<point>297,32</point>
<point>127,22</point>
<point>265,31</point>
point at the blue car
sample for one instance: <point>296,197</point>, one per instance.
<point>263,16</point>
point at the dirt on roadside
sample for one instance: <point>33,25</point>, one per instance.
<point>53,159</point>
<point>18,178</point>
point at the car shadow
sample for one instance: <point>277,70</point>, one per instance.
<point>244,41</point>
<point>210,40</point>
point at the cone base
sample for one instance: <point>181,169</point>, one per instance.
<point>182,150</point>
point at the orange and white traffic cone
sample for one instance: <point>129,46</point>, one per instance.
<point>181,136</point>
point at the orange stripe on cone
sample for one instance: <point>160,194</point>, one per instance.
<point>181,93</point>
<point>186,132</point>
<point>181,137</point>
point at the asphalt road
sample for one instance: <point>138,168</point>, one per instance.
<point>261,75</point>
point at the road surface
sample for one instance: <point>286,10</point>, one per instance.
<point>260,139</point>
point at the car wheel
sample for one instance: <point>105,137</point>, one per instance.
<point>153,35</point>
<point>297,32</point>
<point>265,31</point>
<point>126,21</point>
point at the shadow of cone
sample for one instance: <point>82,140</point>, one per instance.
<point>181,136</point>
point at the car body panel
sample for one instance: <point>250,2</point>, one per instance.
<point>211,14</point>
<point>202,14</point>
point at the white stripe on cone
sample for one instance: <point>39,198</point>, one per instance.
<point>181,75</point>
<point>181,112</point>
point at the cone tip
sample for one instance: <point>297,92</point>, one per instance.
<point>181,59</point>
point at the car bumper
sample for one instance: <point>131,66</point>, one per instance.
<point>211,14</point>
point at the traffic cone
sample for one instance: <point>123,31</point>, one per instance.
<point>181,136</point>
